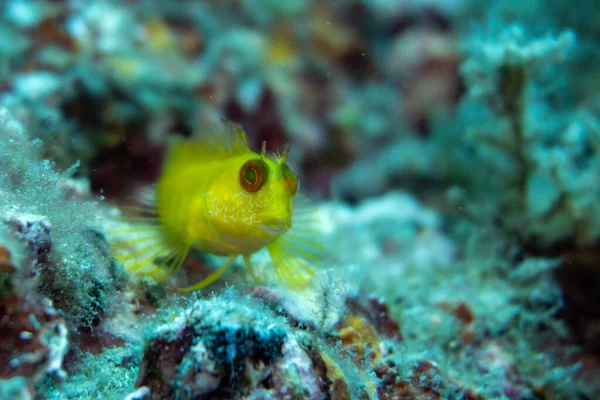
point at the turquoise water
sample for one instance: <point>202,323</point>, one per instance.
<point>445,245</point>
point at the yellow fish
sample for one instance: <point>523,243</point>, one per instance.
<point>216,195</point>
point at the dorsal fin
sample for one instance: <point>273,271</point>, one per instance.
<point>220,141</point>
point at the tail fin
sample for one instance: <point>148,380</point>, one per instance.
<point>141,244</point>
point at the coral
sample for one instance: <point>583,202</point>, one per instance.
<point>424,62</point>
<point>236,346</point>
<point>108,375</point>
<point>233,346</point>
<point>34,339</point>
<point>526,143</point>
<point>227,347</point>
<point>72,265</point>
<point>453,296</point>
<point>425,292</point>
<point>15,388</point>
<point>149,72</point>
<point>33,334</point>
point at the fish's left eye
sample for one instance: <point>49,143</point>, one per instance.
<point>290,178</point>
<point>252,175</point>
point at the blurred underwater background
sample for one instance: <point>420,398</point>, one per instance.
<point>450,150</point>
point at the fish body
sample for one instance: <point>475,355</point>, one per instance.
<point>218,196</point>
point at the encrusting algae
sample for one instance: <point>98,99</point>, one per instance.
<point>216,195</point>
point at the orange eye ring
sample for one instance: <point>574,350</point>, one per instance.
<point>290,178</point>
<point>252,175</point>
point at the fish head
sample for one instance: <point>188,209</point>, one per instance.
<point>255,201</point>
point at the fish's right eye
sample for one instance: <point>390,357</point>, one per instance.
<point>291,179</point>
<point>252,175</point>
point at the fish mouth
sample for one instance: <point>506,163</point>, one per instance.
<point>277,226</point>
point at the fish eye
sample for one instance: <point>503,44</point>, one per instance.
<point>252,175</point>
<point>290,178</point>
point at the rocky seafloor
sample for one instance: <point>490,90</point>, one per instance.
<point>451,150</point>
